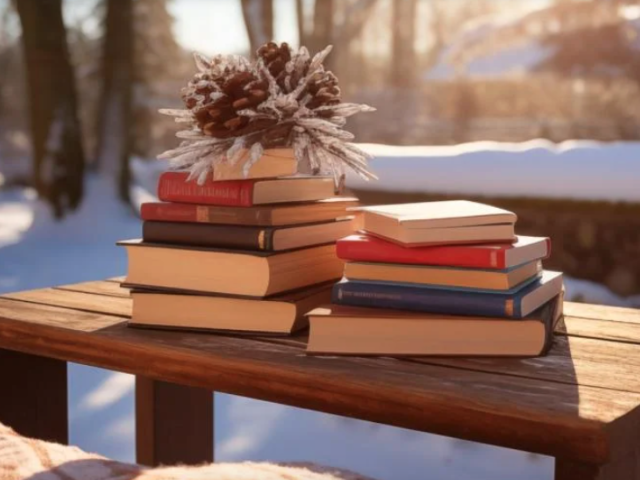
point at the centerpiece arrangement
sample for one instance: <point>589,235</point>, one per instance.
<point>243,238</point>
<point>236,109</point>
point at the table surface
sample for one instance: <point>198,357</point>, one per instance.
<point>580,402</point>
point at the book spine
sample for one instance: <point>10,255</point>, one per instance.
<point>169,212</point>
<point>378,251</point>
<point>217,236</point>
<point>173,187</point>
<point>183,212</point>
<point>422,299</point>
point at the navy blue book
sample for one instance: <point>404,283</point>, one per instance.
<point>426,298</point>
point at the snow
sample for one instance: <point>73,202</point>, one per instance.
<point>36,251</point>
<point>538,168</point>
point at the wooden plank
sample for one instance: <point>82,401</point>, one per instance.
<point>479,406</point>
<point>602,312</point>
<point>174,424</point>
<point>626,468</point>
<point>101,287</point>
<point>602,329</point>
<point>110,305</point>
<point>34,398</point>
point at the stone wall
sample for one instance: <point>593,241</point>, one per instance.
<point>597,241</point>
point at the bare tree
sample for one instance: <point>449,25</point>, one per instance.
<point>58,158</point>
<point>258,18</point>
<point>403,55</point>
<point>115,110</point>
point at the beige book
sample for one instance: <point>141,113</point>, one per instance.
<point>275,162</point>
<point>445,276</point>
<point>433,223</point>
<point>233,272</point>
<point>344,330</point>
<point>280,314</point>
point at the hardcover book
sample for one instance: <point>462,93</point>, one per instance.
<point>233,272</point>
<point>343,330</point>
<point>469,278</point>
<point>263,215</point>
<point>246,237</point>
<point>278,314</point>
<point>517,303</point>
<point>173,187</point>
<point>275,162</point>
<point>367,248</point>
<point>438,223</point>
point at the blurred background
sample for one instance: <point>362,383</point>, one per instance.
<point>531,105</point>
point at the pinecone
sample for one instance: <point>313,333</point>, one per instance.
<point>217,94</point>
<point>323,86</point>
<point>275,59</point>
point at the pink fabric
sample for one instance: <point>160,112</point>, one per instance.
<point>28,459</point>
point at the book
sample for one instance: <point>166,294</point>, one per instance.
<point>278,315</point>
<point>233,272</point>
<point>470,278</point>
<point>264,215</point>
<point>274,162</point>
<point>343,330</point>
<point>437,223</point>
<point>367,248</point>
<point>517,303</point>
<point>246,237</point>
<point>173,187</point>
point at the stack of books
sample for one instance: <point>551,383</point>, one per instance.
<point>233,254</point>
<point>440,278</point>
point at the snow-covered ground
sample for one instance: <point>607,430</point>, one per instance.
<point>36,251</point>
<point>538,168</point>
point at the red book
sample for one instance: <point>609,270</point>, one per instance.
<point>366,248</point>
<point>173,187</point>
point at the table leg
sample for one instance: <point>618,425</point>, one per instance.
<point>34,396</point>
<point>626,468</point>
<point>174,423</point>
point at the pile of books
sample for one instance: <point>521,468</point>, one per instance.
<point>440,278</point>
<point>241,255</point>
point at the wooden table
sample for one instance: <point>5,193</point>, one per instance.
<point>579,404</point>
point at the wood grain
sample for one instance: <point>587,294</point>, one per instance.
<point>478,406</point>
<point>626,468</point>
<point>101,287</point>
<point>103,304</point>
<point>586,391</point>
<point>34,395</point>
<point>174,423</point>
<point>602,312</point>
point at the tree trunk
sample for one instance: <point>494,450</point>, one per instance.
<point>115,117</point>
<point>403,58</point>
<point>301,21</point>
<point>322,25</point>
<point>58,158</point>
<point>258,19</point>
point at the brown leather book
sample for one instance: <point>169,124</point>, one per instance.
<point>246,237</point>
<point>262,215</point>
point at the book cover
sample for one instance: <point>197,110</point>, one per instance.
<point>427,298</point>
<point>441,214</point>
<point>336,330</point>
<point>246,237</point>
<point>369,248</point>
<point>230,236</point>
<point>262,215</point>
<point>173,187</point>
